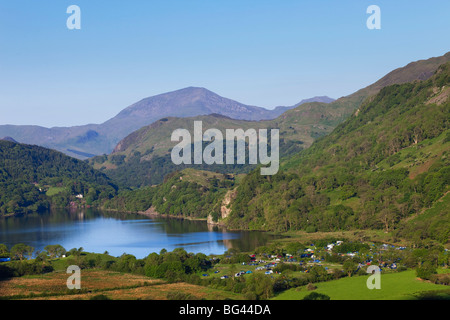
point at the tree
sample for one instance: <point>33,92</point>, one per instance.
<point>21,251</point>
<point>4,252</point>
<point>426,270</point>
<point>295,248</point>
<point>259,285</point>
<point>76,253</point>
<point>349,267</point>
<point>42,257</point>
<point>318,273</point>
<point>55,251</point>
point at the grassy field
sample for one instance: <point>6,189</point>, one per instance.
<point>113,285</point>
<point>394,286</point>
<point>121,286</point>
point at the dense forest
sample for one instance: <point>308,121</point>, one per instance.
<point>33,178</point>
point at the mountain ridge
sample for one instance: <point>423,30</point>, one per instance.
<point>96,139</point>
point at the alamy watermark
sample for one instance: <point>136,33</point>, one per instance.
<point>374,281</point>
<point>74,281</point>
<point>374,20</point>
<point>74,20</point>
<point>258,146</point>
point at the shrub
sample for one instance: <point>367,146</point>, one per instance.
<point>316,296</point>
<point>99,297</point>
<point>311,287</point>
<point>426,271</point>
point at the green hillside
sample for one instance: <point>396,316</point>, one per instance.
<point>188,194</point>
<point>394,286</point>
<point>33,178</point>
<point>386,163</point>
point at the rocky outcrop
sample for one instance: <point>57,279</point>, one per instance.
<point>225,208</point>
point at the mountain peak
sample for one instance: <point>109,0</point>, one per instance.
<point>323,99</point>
<point>7,138</point>
<point>187,90</point>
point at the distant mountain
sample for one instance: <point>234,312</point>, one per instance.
<point>143,157</point>
<point>189,102</point>
<point>324,99</point>
<point>95,139</point>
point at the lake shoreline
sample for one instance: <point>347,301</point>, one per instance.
<point>119,232</point>
<point>152,213</point>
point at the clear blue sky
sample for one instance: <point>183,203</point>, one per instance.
<point>264,53</point>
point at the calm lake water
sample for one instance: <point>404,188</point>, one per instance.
<point>98,231</point>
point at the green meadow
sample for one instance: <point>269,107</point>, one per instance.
<point>394,286</point>
<point>54,190</point>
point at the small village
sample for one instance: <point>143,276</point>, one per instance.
<point>332,257</point>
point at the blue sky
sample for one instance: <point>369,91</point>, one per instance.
<point>264,53</point>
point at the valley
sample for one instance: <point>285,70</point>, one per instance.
<point>363,180</point>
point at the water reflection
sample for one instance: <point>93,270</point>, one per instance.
<point>98,231</point>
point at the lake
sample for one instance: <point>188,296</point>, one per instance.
<point>98,231</point>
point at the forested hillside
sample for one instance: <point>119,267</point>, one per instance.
<point>386,164</point>
<point>33,178</point>
<point>188,194</point>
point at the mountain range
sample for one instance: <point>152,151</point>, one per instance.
<point>95,139</point>
<point>86,141</point>
<point>143,157</point>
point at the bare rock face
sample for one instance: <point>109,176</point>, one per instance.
<point>225,210</point>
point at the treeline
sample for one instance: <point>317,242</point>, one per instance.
<point>175,266</point>
<point>370,173</point>
<point>33,178</point>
